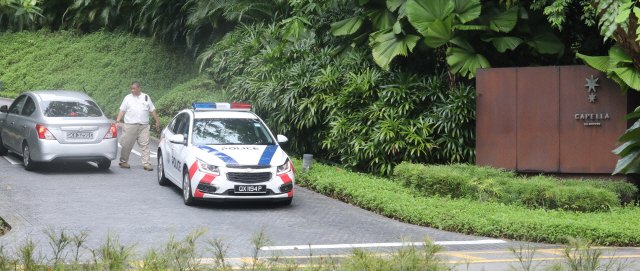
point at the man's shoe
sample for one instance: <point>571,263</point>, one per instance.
<point>124,165</point>
<point>149,168</point>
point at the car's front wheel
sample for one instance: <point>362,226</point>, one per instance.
<point>162,178</point>
<point>186,189</point>
<point>287,201</point>
<point>29,165</point>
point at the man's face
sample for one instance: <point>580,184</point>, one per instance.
<point>135,90</point>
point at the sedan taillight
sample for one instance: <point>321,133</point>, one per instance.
<point>113,132</point>
<point>43,133</point>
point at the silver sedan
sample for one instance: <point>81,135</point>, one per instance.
<point>57,126</point>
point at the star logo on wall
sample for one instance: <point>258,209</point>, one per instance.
<point>592,97</point>
<point>591,84</point>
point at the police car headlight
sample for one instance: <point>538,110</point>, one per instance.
<point>284,168</point>
<point>207,168</point>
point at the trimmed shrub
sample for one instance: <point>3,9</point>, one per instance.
<point>488,184</point>
<point>617,227</point>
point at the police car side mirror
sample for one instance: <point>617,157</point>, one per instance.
<point>3,109</point>
<point>177,139</point>
<point>282,139</point>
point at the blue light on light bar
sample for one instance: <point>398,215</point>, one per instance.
<point>203,105</point>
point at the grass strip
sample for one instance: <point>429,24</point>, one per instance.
<point>616,227</point>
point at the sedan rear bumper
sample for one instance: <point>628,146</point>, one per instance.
<point>52,150</point>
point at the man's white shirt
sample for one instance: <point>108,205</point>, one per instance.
<point>137,109</point>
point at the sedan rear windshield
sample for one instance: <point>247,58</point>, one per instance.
<point>230,132</point>
<point>56,109</point>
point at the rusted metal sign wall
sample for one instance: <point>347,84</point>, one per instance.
<point>548,119</point>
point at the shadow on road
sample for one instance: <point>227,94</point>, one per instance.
<point>235,205</point>
<point>62,168</point>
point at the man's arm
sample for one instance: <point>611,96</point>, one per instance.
<point>120,114</point>
<point>155,116</point>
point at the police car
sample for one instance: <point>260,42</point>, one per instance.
<point>224,152</point>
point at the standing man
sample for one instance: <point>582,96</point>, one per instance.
<point>136,108</point>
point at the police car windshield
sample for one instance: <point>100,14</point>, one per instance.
<point>222,131</point>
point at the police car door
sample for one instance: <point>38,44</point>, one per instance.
<point>180,150</point>
<point>171,165</point>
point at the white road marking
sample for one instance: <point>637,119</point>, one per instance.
<point>13,160</point>
<point>152,154</point>
<point>375,245</point>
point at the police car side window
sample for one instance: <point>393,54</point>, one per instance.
<point>176,123</point>
<point>184,125</point>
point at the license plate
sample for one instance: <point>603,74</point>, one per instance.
<point>261,189</point>
<point>79,135</point>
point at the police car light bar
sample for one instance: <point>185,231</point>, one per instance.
<point>221,106</point>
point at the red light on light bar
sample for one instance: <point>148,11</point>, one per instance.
<point>240,106</point>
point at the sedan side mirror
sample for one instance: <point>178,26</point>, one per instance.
<point>4,109</point>
<point>177,139</point>
<point>282,139</point>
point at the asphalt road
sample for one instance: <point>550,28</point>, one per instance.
<point>130,203</point>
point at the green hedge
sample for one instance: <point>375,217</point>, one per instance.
<point>619,226</point>
<point>488,184</point>
<point>102,63</point>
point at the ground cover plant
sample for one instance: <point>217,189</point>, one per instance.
<point>495,185</point>
<point>101,64</point>
<point>617,226</point>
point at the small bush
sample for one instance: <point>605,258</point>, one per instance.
<point>488,184</point>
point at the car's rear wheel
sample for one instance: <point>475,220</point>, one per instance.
<point>162,178</point>
<point>3,150</point>
<point>104,164</point>
<point>186,189</point>
<point>29,165</point>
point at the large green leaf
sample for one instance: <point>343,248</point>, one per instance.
<point>613,76</point>
<point>387,45</point>
<point>626,147</point>
<point>465,62</point>
<point>503,44</point>
<point>618,56</point>
<point>399,5</point>
<point>439,33</point>
<point>467,10</point>
<point>629,75</point>
<point>601,63</point>
<point>506,21</point>
<point>422,13</point>
<point>633,115</point>
<point>628,163</point>
<point>346,26</point>
<point>464,44</point>
<point>381,18</point>
<point>546,43</point>
<point>632,133</point>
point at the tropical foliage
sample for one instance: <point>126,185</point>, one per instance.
<point>18,14</point>
<point>618,20</point>
<point>344,107</point>
<point>397,27</point>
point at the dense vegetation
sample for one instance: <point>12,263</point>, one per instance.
<point>306,65</point>
<point>102,64</point>
<point>616,227</point>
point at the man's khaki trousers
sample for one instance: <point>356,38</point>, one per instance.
<point>130,134</point>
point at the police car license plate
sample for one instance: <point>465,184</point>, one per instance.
<point>79,135</point>
<point>256,189</point>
